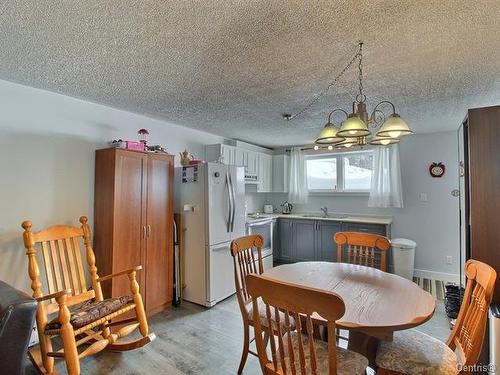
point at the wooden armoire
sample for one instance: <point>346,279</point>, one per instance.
<point>133,222</point>
<point>479,149</point>
<point>479,144</point>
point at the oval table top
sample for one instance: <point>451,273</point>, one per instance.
<point>377,303</point>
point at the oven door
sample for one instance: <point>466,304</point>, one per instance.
<point>265,229</point>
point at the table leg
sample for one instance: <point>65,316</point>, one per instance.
<point>361,343</point>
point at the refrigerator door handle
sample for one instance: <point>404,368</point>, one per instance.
<point>233,213</point>
<point>229,204</point>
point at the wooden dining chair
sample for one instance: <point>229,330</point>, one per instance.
<point>414,352</point>
<point>295,352</point>
<point>82,315</point>
<point>247,259</point>
<point>362,248</point>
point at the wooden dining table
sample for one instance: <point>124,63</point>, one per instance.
<point>377,303</point>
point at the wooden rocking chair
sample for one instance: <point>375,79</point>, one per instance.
<point>89,321</point>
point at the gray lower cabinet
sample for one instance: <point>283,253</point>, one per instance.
<point>304,239</point>
<point>285,235</point>
<point>312,240</point>
<point>326,250</point>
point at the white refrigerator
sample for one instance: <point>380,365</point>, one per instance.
<point>214,214</point>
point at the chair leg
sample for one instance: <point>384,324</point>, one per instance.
<point>139,305</point>
<point>46,347</point>
<point>68,339</point>
<point>246,346</point>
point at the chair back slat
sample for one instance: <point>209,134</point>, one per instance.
<point>75,282</point>
<point>247,259</point>
<point>64,265</point>
<point>58,281</point>
<point>290,343</point>
<point>79,265</point>
<point>285,300</point>
<point>365,249</point>
<point>312,351</point>
<point>302,359</point>
<point>48,267</point>
<point>468,333</point>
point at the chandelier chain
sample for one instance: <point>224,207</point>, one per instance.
<point>356,56</point>
<point>361,96</point>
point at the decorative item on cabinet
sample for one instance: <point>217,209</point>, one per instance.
<point>186,157</point>
<point>143,137</point>
<point>133,219</point>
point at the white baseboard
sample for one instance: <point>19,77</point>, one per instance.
<point>446,277</point>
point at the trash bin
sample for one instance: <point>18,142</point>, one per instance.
<point>403,253</point>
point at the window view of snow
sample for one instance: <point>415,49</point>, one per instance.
<point>356,166</point>
<point>322,174</point>
<point>358,171</point>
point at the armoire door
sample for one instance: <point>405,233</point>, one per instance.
<point>129,216</point>
<point>159,223</point>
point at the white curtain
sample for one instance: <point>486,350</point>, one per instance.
<point>297,184</point>
<point>386,178</point>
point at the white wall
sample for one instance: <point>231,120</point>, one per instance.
<point>47,144</point>
<point>434,224</point>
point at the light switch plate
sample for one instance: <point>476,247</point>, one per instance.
<point>423,197</point>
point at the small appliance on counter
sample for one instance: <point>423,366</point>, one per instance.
<point>286,208</point>
<point>268,209</point>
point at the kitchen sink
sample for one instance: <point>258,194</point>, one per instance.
<point>329,216</point>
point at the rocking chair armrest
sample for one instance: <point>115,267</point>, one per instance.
<point>121,273</point>
<point>54,295</point>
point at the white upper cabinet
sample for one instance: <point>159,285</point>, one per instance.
<point>228,153</point>
<point>252,164</point>
<point>265,173</point>
<point>280,173</point>
<point>241,158</point>
<point>256,163</point>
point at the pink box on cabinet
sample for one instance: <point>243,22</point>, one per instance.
<point>137,146</point>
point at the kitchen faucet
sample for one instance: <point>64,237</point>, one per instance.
<point>325,211</point>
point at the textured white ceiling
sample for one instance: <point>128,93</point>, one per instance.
<point>232,67</point>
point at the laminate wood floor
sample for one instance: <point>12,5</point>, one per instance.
<point>194,340</point>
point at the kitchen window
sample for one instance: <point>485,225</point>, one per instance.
<point>343,172</point>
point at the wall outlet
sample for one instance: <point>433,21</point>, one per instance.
<point>449,260</point>
<point>423,197</point>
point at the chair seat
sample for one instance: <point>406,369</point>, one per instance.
<point>413,352</point>
<point>263,317</point>
<point>89,312</point>
<point>348,362</point>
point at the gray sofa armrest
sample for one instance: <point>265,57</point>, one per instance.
<point>17,316</point>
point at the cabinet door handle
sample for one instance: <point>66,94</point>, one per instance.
<point>143,231</point>
<point>149,231</point>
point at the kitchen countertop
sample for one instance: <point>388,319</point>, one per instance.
<point>343,217</point>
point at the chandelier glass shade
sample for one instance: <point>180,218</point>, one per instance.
<point>394,127</point>
<point>353,126</point>
<point>328,135</point>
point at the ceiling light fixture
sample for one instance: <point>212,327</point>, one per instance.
<point>355,129</point>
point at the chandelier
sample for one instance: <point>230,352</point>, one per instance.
<point>359,128</point>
